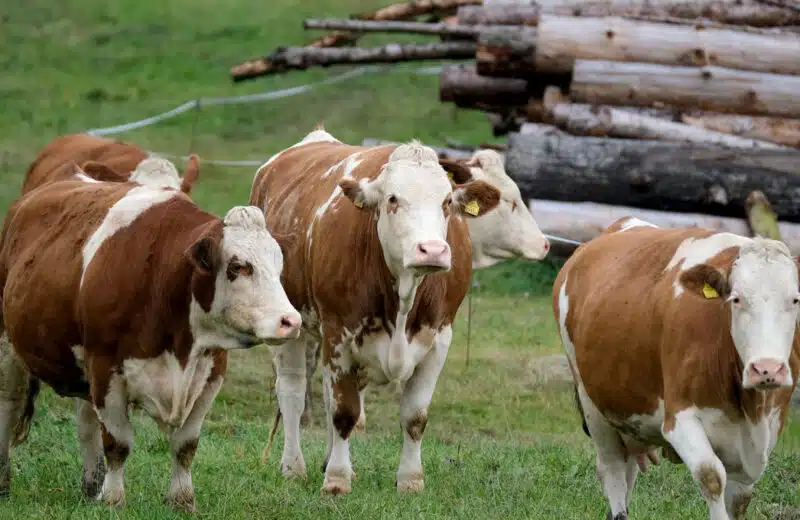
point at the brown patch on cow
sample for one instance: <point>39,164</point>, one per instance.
<point>486,196</point>
<point>238,268</point>
<point>186,453</point>
<point>710,481</point>
<point>348,404</point>
<point>116,452</point>
<point>416,425</point>
<point>102,172</point>
<point>695,278</point>
<point>458,171</point>
<point>190,174</point>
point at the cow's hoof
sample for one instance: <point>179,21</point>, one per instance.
<point>411,485</point>
<point>294,471</point>
<point>620,516</point>
<point>91,489</point>
<point>182,501</point>
<point>336,484</point>
<point>114,497</point>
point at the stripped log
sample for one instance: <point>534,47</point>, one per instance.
<point>414,8</point>
<point>706,88</point>
<point>461,84</point>
<point>583,221</point>
<point>777,130</point>
<point>560,40</point>
<point>507,53</point>
<point>392,26</point>
<point>734,12</point>
<point>654,174</point>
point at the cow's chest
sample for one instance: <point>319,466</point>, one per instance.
<point>165,389</point>
<point>370,352</point>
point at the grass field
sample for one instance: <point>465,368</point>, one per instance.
<point>498,443</point>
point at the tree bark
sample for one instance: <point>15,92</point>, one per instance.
<point>583,221</point>
<point>705,88</point>
<point>507,53</point>
<point>391,26</point>
<point>731,12</point>
<point>777,130</point>
<point>560,40</point>
<point>762,219</point>
<point>653,174</point>
<point>414,8</point>
<point>461,84</point>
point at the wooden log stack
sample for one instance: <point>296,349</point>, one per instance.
<point>685,106</point>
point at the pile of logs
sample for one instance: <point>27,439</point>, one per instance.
<point>675,106</point>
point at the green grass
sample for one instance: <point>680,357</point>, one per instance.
<point>498,444</point>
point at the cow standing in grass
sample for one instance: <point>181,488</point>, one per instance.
<point>508,231</point>
<point>105,159</point>
<point>684,339</point>
<point>380,265</point>
<point>124,295</point>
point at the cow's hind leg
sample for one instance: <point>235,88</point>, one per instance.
<point>616,472</point>
<point>290,365</point>
<point>414,403</point>
<point>110,399</point>
<point>313,350</point>
<point>90,439</point>
<point>183,445</point>
<point>17,394</point>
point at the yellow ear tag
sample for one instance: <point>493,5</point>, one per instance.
<point>472,208</point>
<point>709,292</point>
<point>450,175</point>
<point>359,203</point>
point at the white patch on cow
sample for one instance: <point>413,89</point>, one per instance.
<point>249,309</point>
<point>81,176</point>
<point>156,172</point>
<point>695,251</point>
<point>121,215</point>
<point>509,230</point>
<point>316,136</point>
<point>114,416</point>
<point>373,355</point>
<point>163,388</point>
<point>569,347</point>
<point>633,222</point>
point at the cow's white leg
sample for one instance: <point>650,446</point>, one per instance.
<point>183,445</point>
<point>90,439</point>
<point>632,471</point>
<point>361,423</point>
<point>290,366</point>
<point>312,360</point>
<point>737,499</point>
<point>689,440</point>
<point>414,403</point>
<point>342,411</point>
<point>117,434</point>
<point>13,393</point>
<point>613,470</point>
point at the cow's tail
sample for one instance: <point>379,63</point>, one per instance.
<point>265,453</point>
<point>23,426</point>
<point>580,410</point>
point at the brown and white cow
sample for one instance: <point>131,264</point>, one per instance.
<point>122,294</point>
<point>508,231</point>
<point>684,339</point>
<point>108,160</point>
<point>380,266</point>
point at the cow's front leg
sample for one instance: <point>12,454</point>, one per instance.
<point>183,445</point>
<point>737,499</point>
<point>686,435</point>
<point>290,366</point>
<point>90,439</point>
<point>110,399</point>
<point>414,403</point>
<point>342,410</point>
<point>14,386</point>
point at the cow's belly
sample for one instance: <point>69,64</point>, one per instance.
<point>743,447</point>
<point>372,355</point>
<point>640,431</point>
<point>164,389</point>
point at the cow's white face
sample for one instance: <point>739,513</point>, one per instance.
<point>414,199</point>
<point>763,295</point>
<point>509,231</point>
<point>249,303</point>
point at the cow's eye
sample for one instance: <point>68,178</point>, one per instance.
<point>392,199</point>
<point>236,268</point>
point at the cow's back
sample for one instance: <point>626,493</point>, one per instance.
<point>59,159</point>
<point>612,300</point>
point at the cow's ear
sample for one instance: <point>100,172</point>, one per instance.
<point>458,172</point>
<point>475,198</point>
<point>190,174</point>
<point>706,281</point>
<point>204,255</point>
<point>363,193</point>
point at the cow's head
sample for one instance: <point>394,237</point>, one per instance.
<point>413,200</point>
<point>510,230</point>
<point>237,284</point>
<point>762,294</point>
<point>157,171</point>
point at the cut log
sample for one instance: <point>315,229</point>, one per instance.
<point>391,26</point>
<point>780,3</point>
<point>415,8</point>
<point>299,58</point>
<point>507,53</point>
<point>705,88</point>
<point>762,219</point>
<point>654,174</point>
<point>560,40</point>
<point>777,130</point>
<point>583,221</point>
<point>733,12</point>
<point>461,84</point>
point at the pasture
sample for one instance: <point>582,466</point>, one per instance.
<point>500,443</point>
